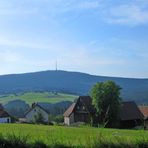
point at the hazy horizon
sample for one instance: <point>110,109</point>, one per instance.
<point>98,37</point>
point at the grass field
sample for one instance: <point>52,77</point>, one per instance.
<point>74,137</point>
<point>31,97</point>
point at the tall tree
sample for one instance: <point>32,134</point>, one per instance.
<point>106,100</point>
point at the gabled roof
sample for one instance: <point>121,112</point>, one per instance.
<point>42,108</point>
<point>144,110</point>
<point>1,107</point>
<point>3,114</point>
<point>70,110</point>
<point>130,111</point>
<point>33,106</point>
<point>86,100</point>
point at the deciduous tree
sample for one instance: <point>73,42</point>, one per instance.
<point>106,100</point>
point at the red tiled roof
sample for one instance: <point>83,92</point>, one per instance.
<point>144,110</point>
<point>69,111</point>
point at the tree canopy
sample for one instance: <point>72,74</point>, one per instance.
<point>106,100</point>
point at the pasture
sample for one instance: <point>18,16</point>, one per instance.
<point>30,97</point>
<point>76,136</point>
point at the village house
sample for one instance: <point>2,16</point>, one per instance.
<point>35,111</point>
<point>130,115</point>
<point>82,111</point>
<point>4,116</point>
<point>144,110</point>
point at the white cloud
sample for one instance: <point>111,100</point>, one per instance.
<point>131,14</point>
<point>134,12</point>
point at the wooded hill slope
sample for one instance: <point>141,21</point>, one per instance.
<point>71,82</point>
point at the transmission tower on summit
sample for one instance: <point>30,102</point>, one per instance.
<point>56,65</point>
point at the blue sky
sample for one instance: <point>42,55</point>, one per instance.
<point>101,37</point>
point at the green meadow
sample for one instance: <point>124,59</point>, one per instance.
<point>31,97</point>
<point>76,136</point>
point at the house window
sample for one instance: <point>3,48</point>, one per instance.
<point>83,107</point>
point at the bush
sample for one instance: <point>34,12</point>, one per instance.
<point>59,119</point>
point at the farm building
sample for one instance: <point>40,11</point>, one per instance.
<point>82,110</point>
<point>79,111</point>
<point>36,112</point>
<point>130,115</point>
<point>4,116</point>
<point>144,110</point>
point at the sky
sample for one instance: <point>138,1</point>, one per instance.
<point>100,37</point>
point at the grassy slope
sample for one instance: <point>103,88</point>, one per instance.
<point>84,136</point>
<point>38,97</point>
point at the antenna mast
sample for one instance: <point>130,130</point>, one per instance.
<point>56,65</point>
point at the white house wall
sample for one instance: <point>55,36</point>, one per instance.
<point>69,120</point>
<point>66,120</point>
<point>5,120</point>
<point>30,117</point>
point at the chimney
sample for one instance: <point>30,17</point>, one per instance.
<point>33,105</point>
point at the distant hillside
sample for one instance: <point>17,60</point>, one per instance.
<point>31,97</point>
<point>71,82</point>
<point>18,108</point>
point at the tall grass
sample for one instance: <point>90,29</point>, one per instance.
<point>13,141</point>
<point>39,136</point>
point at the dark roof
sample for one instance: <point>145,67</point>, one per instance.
<point>86,100</point>
<point>42,108</point>
<point>33,106</point>
<point>3,113</point>
<point>70,110</point>
<point>144,110</point>
<point>1,107</point>
<point>130,111</point>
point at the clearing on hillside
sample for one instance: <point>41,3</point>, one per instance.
<point>30,97</point>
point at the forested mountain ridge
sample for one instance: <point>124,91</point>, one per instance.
<point>71,82</point>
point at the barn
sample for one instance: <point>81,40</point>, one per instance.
<point>80,111</point>
<point>130,115</point>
